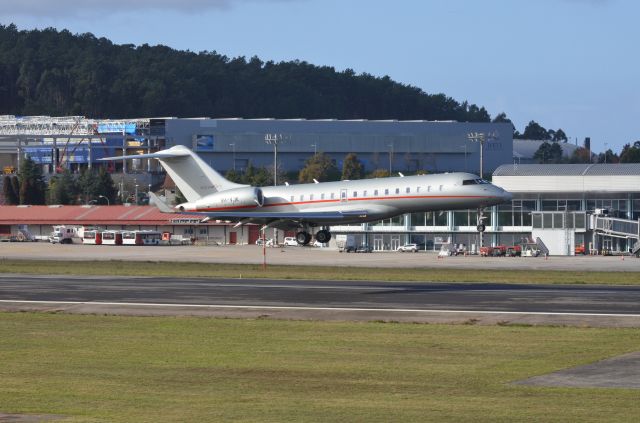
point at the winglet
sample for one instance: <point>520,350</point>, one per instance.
<point>161,205</point>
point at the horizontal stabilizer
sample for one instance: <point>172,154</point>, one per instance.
<point>161,205</point>
<point>163,154</point>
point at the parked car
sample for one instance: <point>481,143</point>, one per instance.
<point>290,241</point>
<point>413,248</point>
<point>364,249</point>
<point>269,242</point>
<point>349,249</point>
<point>319,244</point>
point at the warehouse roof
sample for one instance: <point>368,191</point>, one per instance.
<point>617,169</point>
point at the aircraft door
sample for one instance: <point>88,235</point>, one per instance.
<point>343,195</point>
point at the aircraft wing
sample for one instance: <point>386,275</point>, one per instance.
<point>310,215</point>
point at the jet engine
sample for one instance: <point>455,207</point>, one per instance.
<point>237,198</point>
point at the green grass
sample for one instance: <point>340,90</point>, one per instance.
<point>209,270</point>
<point>126,369</point>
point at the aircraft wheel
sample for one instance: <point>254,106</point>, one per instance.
<point>303,238</point>
<point>480,227</point>
<point>323,236</point>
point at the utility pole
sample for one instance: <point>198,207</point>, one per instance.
<point>390,158</point>
<point>233,145</point>
<point>274,139</point>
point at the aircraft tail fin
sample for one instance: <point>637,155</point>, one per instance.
<point>193,177</point>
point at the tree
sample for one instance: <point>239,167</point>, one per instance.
<point>11,196</point>
<point>501,118</point>
<point>630,154</point>
<point>320,167</point>
<point>32,185</point>
<point>608,157</point>
<point>534,131</point>
<point>63,189</point>
<point>559,135</point>
<point>92,184</point>
<point>548,153</point>
<point>352,168</point>
<point>580,155</point>
<point>379,173</point>
<point>257,176</point>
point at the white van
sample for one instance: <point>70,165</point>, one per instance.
<point>290,241</point>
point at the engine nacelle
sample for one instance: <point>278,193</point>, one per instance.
<point>229,200</point>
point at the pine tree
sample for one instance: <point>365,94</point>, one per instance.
<point>11,196</point>
<point>32,185</point>
<point>63,189</point>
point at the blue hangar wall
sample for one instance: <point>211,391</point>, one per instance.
<point>440,146</point>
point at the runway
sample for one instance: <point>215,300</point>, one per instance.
<point>326,300</point>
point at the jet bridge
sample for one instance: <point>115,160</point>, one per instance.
<point>618,228</point>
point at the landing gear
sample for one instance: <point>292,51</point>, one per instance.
<point>323,236</point>
<point>303,238</point>
<point>480,227</point>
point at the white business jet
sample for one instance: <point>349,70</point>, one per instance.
<point>305,207</point>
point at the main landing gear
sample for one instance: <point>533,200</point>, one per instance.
<point>304,237</point>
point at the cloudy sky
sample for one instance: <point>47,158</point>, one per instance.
<point>570,64</point>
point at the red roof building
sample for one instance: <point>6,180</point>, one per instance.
<point>40,219</point>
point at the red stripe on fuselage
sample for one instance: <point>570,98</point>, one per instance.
<point>291,203</point>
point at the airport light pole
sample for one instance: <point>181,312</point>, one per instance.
<point>108,202</point>
<point>274,139</point>
<point>479,138</point>
<point>390,158</point>
<point>233,145</point>
<point>315,148</point>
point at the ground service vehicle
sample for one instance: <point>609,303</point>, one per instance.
<point>413,248</point>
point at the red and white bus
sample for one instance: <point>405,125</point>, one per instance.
<point>111,238</point>
<point>141,237</point>
<point>92,237</point>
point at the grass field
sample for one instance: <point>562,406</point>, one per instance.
<point>135,369</point>
<point>210,270</point>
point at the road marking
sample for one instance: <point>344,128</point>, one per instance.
<point>259,307</point>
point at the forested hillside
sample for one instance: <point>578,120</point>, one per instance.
<point>51,72</point>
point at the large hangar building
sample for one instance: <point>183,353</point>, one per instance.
<point>396,145</point>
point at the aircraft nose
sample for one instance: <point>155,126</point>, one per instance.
<point>506,196</point>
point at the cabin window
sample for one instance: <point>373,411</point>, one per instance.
<point>408,190</point>
<point>292,199</point>
<point>375,193</point>
<point>355,194</point>
<point>322,196</point>
<point>417,189</point>
<point>302,197</point>
<point>397,190</point>
<point>333,195</point>
<point>386,191</point>
<point>311,197</point>
<point>429,188</point>
<point>441,187</point>
<point>364,193</point>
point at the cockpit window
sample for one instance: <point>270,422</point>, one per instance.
<point>474,182</point>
